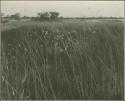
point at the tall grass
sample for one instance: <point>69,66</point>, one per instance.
<point>63,60</point>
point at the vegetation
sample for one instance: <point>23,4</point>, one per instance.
<point>15,16</point>
<point>54,15</point>
<point>67,59</point>
<point>48,15</point>
<point>1,15</point>
<point>43,16</point>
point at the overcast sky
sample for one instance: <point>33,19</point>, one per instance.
<point>65,8</point>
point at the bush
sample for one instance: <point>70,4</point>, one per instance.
<point>48,15</point>
<point>54,15</point>
<point>16,16</point>
<point>44,16</point>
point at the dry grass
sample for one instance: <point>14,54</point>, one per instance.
<point>72,59</point>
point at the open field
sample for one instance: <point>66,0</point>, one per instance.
<point>66,59</point>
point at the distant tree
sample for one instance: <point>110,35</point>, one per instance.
<point>7,16</point>
<point>54,15</point>
<point>43,15</point>
<point>2,15</point>
<point>48,15</point>
<point>16,16</point>
<point>25,17</point>
<point>61,17</point>
<point>3,18</point>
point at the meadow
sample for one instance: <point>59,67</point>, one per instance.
<point>63,60</point>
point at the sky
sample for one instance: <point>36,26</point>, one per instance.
<point>65,8</point>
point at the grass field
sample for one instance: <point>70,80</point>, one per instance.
<point>67,59</point>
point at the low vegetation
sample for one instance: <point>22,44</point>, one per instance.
<point>66,59</point>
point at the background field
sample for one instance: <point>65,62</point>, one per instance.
<point>65,59</point>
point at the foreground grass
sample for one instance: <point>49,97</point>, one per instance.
<point>63,60</point>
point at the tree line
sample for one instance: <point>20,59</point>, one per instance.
<point>53,15</point>
<point>40,16</point>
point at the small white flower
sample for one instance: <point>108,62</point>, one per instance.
<point>61,50</point>
<point>42,31</point>
<point>14,57</point>
<point>74,30</point>
<point>3,79</point>
<point>8,53</point>
<point>65,48</point>
<point>30,35</point>
<point>9,44</point>
<point>13,92</point>
<point>89,28</point>
<point>94,32</point>
<point>35,32</point>
<point>25,49</point>
<point>52,40</point>
<point>7,67</point>
<point>56,44</point>
<point>57,31</point>
<point>69,32</point>
<point>19,45</point>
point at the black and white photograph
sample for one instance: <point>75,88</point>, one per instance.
<point>62,50</point>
